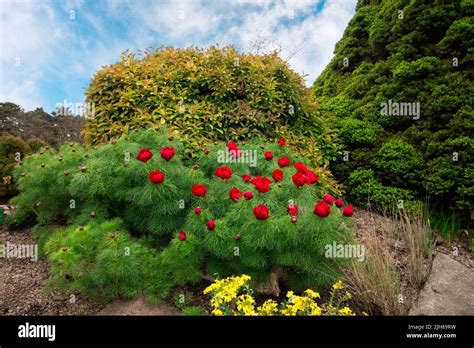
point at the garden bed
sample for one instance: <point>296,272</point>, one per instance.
<point>23,280</point>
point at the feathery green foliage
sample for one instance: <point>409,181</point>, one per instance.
<point>103,261</point>
<point>263,246</point>
<point>43,185</point>
<point>129,235</point>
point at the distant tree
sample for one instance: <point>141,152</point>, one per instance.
<point>54,129</point>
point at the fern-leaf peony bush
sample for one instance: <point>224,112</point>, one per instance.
<point>236,208</point>
<point>262,218</point>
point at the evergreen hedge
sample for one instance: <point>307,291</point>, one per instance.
<point>408,52</point>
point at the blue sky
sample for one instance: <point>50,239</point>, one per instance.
<point>50,49</point>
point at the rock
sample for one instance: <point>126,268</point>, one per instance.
<point>138,306</point>
<point>448,290</point>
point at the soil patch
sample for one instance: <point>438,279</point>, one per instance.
<point>22,284</point>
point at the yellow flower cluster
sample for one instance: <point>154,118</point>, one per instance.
<point>301,305</point>
<point>246,305</point>
<point>337,285</point>
<point>346,311</point>
<point>269,307</point>
<point>312,294</point>
<point>224,292</point>
<point>226,300</point>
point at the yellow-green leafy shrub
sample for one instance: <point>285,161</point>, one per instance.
<point>207,94</point>
<point>35,144</point>
<point>12,150</point>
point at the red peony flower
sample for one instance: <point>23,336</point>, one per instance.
<point>144,155</point>
<point>277,175</point>
<point>199,190</point>
<point>223,172</point>
<point>156,177</point>
<point>167,153</point>
<point>182,235</point>
<point>261,183</point>
<point>233,149</point>
<point>246,178</point>
<point>299,179</point>
<point>211,225</point>
<point>197,210</point>
<point>348,210</point>
<point>329,199</point>
<point>284,162</point>
<point>293,209</point>
<point>231,146</point>
<point>322,209</point>
<point>235,194</point>
<point>268,156</point>
<point>262,187</point>
<point>339,202</point>
<point>311,178</point>
<point>282,142</point>
<point>299,166</point>
<point>248,195</point>
<point>261,212</point>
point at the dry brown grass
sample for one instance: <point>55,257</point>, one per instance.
<point>417,237</point>
<point>397,253</point>
<point>374,282</point>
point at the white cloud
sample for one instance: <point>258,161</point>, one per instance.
<point>29,35</point>
<point>310,42</point>
<point>51,51</point>
<point>23,92</point>
<point>56,50</point>
<point>178,19</point>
